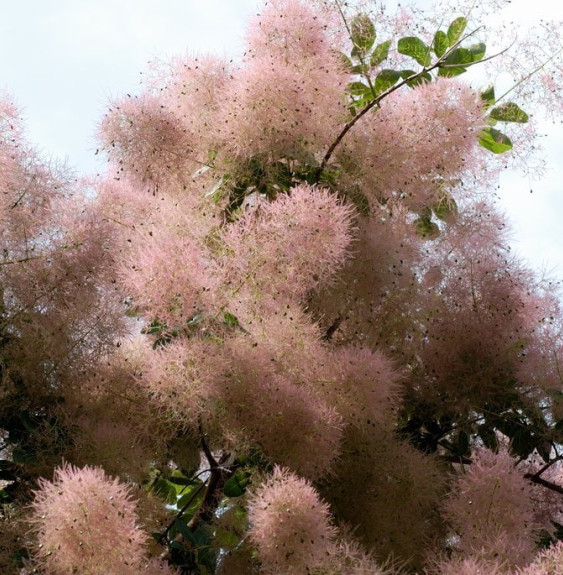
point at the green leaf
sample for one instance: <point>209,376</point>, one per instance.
<point>488,95</point>
<point>165,490</point>
<point>363,34</point>
<point>415,48</point>
<point>237,484</point>
<point>226,539</point>
<point>424,78</point>
<point>178,479</point>
<point>522,442</point>
<point>456,29</point>
<point>346,62</point>
<point>380,53</point>
<point>154,328</point>
<point>426,228</point>
<point>358,89</point>
<point>230,319</point>
<point>495,141</point>
<point>456,63</point>
<point>478,51</point>
<point>440,43</point>
<point>463,444</point>
<point>214,191</point>
<point>445,208</point>
<point>386,79</point>
<point>189,493</point>
<point>509,112</point>
<point>183,528</point>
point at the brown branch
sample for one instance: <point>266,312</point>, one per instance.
<point>534,478</point>
<point>332,328</point>
<point>377,101</point>
<point>218,476</point>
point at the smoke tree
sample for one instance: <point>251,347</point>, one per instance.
<point>287,324</point>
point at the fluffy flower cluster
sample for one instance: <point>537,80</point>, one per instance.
<point>491,509</point>
<point>290,525</point>
<point>86,523</point>
<point>291,245</point>
<point>265,402</point>
<point>289,93</point>
<point>417,139</point>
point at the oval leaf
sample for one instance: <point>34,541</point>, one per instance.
<point>237,484</point>
<point>456,29</point>
<point>478,51</point>
<point>358,89</point>
<point>495,141</point>
<point>346,62</point>
<point>415,48</point>
<point>488,95</point>
<point>456,62</point>
<point>386,79</point>
<point>440,44</point>
<point>380,53</point>
<point>509,112</point>
<point>363,34</point>
<point>417,80</point>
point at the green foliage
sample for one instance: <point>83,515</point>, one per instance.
<point>456,62</point>
<point>440,43</point>
<point>494,140</point>
<point>362,34</point>
<point>386,79</point>
<point>237,484</point>
<point>445,208</point>
<point>415,48</point>
<point>509,112</point>
<point>456,29</point>
<point>426,228</point>
<point>380,53</point>
<point>488,95</point>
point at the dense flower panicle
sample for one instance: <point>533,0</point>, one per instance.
<point>547,562</point>
<point>419,139</point>
<point>293,28</point>
<point>166,271</point>
<point>287,98</point>
<point>401,489</point>
<point>264,403</point>
<point>192,89</point>
<point>285,333</point>
<point>365,385</point>
<point>291,525</point>
<point>182,376</point>
<point>376,288</point>
<point>491,509</point>
<point>351,559</point>
<point>468,566</point>
<point>291,245</point>
<point>487,325</point>
<point>59,309</point>
<point>86,523</point>
<point>103,440</point>
<point>146,141</point>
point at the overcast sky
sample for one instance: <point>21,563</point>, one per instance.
<point>63,60</point>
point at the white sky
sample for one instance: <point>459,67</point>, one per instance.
<point>62,61</point>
